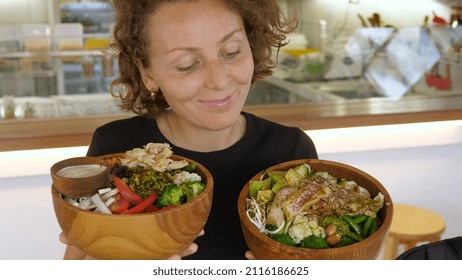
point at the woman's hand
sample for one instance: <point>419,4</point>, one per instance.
<point>249,255</point>
<point>191,249</point>
<point>74,253</point>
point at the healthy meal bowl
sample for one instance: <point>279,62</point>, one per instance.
<point>155,205</point>
<point>314,209</point>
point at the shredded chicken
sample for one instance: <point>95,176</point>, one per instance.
<point>155,156</point>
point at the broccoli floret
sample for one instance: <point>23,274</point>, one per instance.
<point>344,241</point>
<point>193,189</point>
<point>190,167</point>
<point>342,227</point>
<point>314,242</point>
<point>171,195</point>
<point>283,238</point>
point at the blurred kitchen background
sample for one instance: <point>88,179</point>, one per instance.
<point>53,67</point>
<point>52,59</point>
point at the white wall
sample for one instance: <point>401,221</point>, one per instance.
<point>24,11</point>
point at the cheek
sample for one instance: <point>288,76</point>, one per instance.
<point>244,71</point>
<point>178,89</point>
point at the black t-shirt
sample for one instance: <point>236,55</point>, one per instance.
<point>264,144</point>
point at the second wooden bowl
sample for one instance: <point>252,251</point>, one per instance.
<point>155,235</point>
<point>80,176</point>
<point>263,247</point>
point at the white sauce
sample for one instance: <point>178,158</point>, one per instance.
<point>81,171</point>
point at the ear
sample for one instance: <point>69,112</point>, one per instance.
<point>146,77</point>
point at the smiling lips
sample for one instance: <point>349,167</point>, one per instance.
<point>219,103</point>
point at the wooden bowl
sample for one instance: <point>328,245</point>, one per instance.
<point>155,235</point>
<point>264,247</point>
<point>84,184</point>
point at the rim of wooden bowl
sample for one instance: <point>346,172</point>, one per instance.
<point>386,213</point>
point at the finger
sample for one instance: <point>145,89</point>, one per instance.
<point>201,233</point>
<point>249,255</point>
<point>73,253</point>
<point>63,238</point>
<point>191,249</point>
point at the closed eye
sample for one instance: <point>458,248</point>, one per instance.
<point>232,54</point>
<point>188,68</point>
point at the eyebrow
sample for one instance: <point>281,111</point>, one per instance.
<point>192,49</point>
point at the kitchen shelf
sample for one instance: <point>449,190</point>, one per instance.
<point>57,54</point>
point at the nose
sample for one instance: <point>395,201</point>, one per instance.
<point>216,76</point>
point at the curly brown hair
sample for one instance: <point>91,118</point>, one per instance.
<point>266,27</point>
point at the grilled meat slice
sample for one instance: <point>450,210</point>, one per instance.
<point>345,201</point>
<point>292,201</point>
<point>320,199</point>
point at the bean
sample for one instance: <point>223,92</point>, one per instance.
<point>359,219</point>
<point>374,226</point>
<point>354,236</point>
<point>331,229</point>
<point>354,226</point>
<point>333,239</point>
<point>367,226</point>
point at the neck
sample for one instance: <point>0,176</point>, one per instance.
<point>190,137</point>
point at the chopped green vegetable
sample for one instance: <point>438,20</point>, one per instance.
<point>342,227</point>
<point>359,219</point>
<point>144,183</point>
<point>344,241</point>
<point>264,196</point>
<point>190,167</point>
<point>314,242</point>
<point>367,226</point>
<point>256,186</point>
<point>192,189</point>
<point>282,183</point>
<point>353,226</point>
<point>302,170</point>
<point>374,226</point>
<point>293,177</point>
<point>275,176</point>
<point>171,195</point>
<point>284,239</point>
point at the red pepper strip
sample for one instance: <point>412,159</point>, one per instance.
<point>151,208</point>
<point>119,205</point>
<point>138,208</point>
<point>126,192</point>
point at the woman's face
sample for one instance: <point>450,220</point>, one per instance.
<point>201,60</point>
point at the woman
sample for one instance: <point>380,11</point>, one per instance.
<point>186,68</point>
